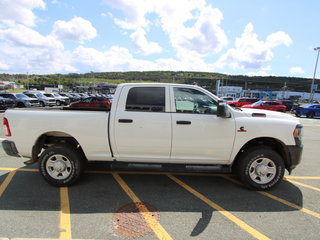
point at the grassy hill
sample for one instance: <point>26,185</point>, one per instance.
<point>200,78</point>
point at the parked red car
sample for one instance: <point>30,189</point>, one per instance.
<point>267,105</point>
<point>93,102</point>
<point>242,101</point>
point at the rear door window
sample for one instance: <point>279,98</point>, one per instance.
<point>146,99</point>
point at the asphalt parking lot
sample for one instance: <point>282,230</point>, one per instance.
<point>168,205</point>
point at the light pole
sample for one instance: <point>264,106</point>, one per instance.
<point>314,75</point>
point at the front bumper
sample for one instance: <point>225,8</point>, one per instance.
<point>295,153</point>
<point>10,148</point>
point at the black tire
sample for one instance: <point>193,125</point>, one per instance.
<point>260,168</point>
<point>310,115</point>
<point>21,105</point>
<point>61,165</point>
<point>58,103</point>
<point>298,115</point>
<point>42,104</point>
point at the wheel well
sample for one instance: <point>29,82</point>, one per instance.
<point>272,143</point>
<point>53,138</point>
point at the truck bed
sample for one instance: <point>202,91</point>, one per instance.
<point>89,128</point>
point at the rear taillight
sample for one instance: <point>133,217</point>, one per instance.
<point>6,126</point>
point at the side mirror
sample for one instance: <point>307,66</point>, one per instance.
<point>222,110</point>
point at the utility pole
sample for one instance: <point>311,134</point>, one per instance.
<point>312,90</point>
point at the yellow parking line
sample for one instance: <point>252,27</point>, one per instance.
<point>290,204</point>
<point>65,221</point>
<point>6,182</point>
<point>303,177</point>
<point>160,232</point>
<point>221,210</point>
<point>317,215</point>
<point>302,184</point>
<point>19,169</point>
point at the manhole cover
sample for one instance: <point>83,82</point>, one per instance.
<point>129,222</point>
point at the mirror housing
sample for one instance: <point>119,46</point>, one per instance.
<point>222,110</point>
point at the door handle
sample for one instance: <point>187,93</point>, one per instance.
<point>125,120</point>
<point>184,122</point>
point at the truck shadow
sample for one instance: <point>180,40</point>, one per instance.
<point>99,192</point>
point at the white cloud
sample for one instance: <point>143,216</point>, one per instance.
<point>20,11</point>
<point>19,35</point>
<point>77,30</point>
<point>261,72</point>
<point>36,60</point>
<point>120,59</point>
<point>134,11</point>
<point>140,41</point>
<point>278,38</point>
<point>296,70</point>
<point>4,66</point>
<point>24,49</point>
<point>249,52</point>
<point>114,59</point>
<point>192,25</point>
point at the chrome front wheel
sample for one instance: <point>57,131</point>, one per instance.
<point>262,170</point>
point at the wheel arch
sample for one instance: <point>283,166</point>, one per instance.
<point>53,138</point>
<point>272,143</point>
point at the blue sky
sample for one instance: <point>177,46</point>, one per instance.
<point>239,37</point>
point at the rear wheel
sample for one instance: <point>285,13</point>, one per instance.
<point>260,168</point>
<point>61,165</point>
<point>58,103</point>
<point>310,115</point>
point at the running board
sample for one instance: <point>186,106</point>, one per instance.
<point>167,167</point>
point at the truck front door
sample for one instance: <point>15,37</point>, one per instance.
<point>142,124</point>
<point>198,135</point>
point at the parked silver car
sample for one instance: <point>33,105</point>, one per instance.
<point>43,100</point>
<point>60,100</point>
<point>21,100</point>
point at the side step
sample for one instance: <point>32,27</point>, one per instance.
<point>163,167</point>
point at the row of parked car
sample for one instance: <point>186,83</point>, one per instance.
<point>274,105</point>
<point>37,99</point>
<point>308,110</point>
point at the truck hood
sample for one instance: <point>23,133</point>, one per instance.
<point>251,112</point>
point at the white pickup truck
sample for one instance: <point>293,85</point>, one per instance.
<point>162,124</point>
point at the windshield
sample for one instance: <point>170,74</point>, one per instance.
<point>20,95</point>
<point>40,95</point>
<point>258,103</point>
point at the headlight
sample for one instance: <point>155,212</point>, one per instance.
<point>297,134</point>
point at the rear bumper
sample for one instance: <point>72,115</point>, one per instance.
<point>10,148</point>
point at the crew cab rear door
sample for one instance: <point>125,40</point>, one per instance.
<point>198,135</point>
<point>142,124</point>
